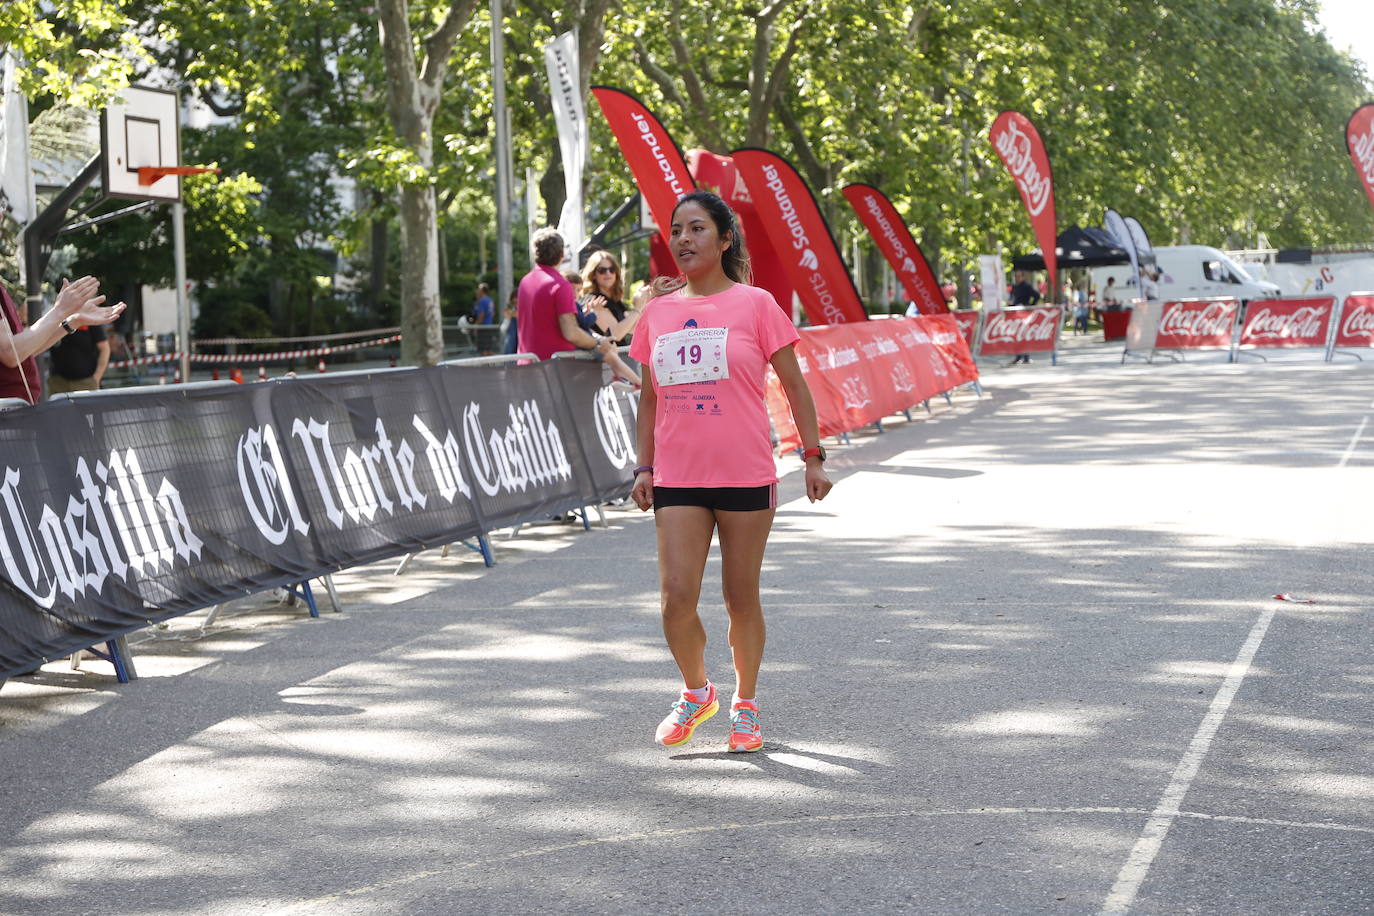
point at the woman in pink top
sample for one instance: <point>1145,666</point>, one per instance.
<point>707,454</point>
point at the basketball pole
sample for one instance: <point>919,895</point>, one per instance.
<point>183,301</point>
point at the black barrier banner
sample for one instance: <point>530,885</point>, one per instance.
<point>124,509</point>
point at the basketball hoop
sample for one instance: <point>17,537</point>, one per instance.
<point>149,174</point>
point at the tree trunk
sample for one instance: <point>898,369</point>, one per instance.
<point>422,340</point>
<point>376,287</point>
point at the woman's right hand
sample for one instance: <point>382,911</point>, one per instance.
<point>643,492</point>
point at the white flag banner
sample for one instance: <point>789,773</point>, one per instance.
<point>1120,230</point>
<point>993,281</point>
<point>565,88</point>
<point>16,180</point>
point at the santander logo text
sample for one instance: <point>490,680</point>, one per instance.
<point>670,176</point>
<point>1015,147</point>
<point>894,241</point>
<point>1181,319</point>
<point>802,243</point>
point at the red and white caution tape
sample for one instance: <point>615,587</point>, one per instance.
<point>220,341</point>
<point>248,359</point>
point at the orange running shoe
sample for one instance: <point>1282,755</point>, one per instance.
<point>746,734</point>
<point>687,714</point>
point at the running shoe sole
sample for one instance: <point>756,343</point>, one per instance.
<point>702,715</point>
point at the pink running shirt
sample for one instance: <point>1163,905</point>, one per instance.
<point>543,295</point>
<point>715,433</point>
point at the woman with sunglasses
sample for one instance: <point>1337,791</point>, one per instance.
<point>602,297</point>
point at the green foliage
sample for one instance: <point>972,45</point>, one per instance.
<point>1209,122</point>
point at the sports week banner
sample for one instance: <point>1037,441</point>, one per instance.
<point>1359,139</point>
<point>801,237</point>
<point>654,159</point>
<point>860,373</point>
<point>894,240</point>
<point>1189,325</point>
<point>121,509</point>
<point>1356,325</point>
<point>1288,322</point>
<point>718,174</point>
<point>1021,150</point>
<point>1021,330</point>
<point>565,92</point>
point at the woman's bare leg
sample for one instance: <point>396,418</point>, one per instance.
<point>684,540</point>
<point>743,537</point>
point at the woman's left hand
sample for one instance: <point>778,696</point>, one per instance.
<point>818,484</point>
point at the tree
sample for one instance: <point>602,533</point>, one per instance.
<point>412,98</point>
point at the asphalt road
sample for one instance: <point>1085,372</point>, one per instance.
<point>1025,659</point>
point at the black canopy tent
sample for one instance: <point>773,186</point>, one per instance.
<point>1078,247</point>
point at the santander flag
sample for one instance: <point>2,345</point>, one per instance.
<point>895,242</point>
<point>1359,139</point>
<point>1019,145</point>
<point>653,157</point>
<point>801,237</point>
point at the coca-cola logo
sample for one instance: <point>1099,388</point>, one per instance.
<point>1181,319</point>
<point>1362,151</point>
<point>1017,148</point>
<point>1021,327</point>
<point>1358,321</point>
<point>1303,323</point>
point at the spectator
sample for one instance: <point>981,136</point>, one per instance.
<point>1111,296</point>
<point>77,304</point>
<point>603,295</point>
<point>1023,295</point>
<point>546,307</point>
<point>483,310</point>
<point>1149,286</point>
<point>620,370</point>
<point>77,362</point>
<point>510,326</point>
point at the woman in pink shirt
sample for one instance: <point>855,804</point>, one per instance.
<point>708,456</point>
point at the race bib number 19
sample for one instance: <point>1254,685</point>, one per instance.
<point>691,355</point>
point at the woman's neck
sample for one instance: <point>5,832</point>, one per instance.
<point>708,285</point>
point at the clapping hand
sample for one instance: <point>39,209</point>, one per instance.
<point>79,303</point>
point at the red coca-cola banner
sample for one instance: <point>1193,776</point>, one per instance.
<point>1022,151</point>
<point>894,240</point>
<point>801,237</point>
<point>1356,326</point>
<point>719,175</point>
<point>1016,331</point>
<point>1188,325</point>
<point>860,373</point>
<point>968,324</point>
<point>654,159</point>
<point>1359,139</point>
<point>1288,322</point>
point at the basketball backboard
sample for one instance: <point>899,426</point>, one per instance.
<point>141,130</point>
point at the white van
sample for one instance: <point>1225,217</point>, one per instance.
<point>1189,272</point>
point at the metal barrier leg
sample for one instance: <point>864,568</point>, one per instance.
<point>487,558</point>
<point>906,412</point>
<point>405,561</point>
<point>303,590</point>
<point>948,400</point>
<point>210,617</point>
<point>333,595</point>
<point>116,652</point>
<point>926,405</point>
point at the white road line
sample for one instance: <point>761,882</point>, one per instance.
<point>1132,874</point>
<point>1354,441</point>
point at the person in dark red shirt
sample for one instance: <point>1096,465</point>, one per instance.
<point>78,303</point>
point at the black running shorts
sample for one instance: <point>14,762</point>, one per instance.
<point>728,499</point>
